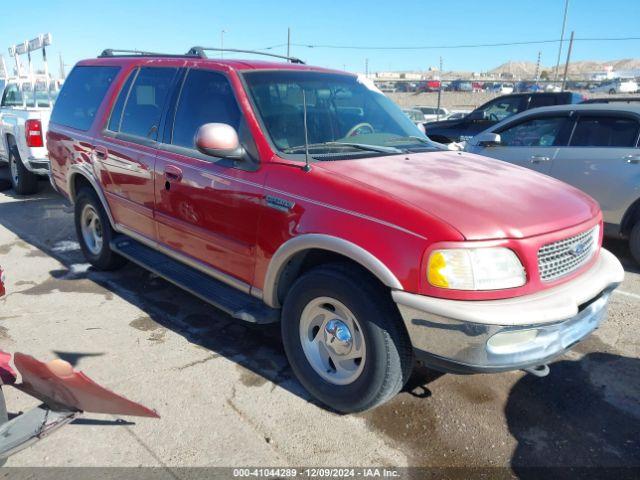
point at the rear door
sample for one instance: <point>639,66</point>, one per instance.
<point>127,148</point>
<point>603,160</point>
<point>532,142</point>
<point>207,208</point>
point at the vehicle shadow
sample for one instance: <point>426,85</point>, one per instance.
<point>47,223</point>
<point>620,248</point>
<point>584,415</point>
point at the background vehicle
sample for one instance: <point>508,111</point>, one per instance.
<point>428,86</point>
<point>431,114</point>
<point>24,116</point>
<point>617,85</point>
<point>502,88</point>
<point>593,147</point>
<point>460,86</point>
<point>493,112</point>
<point>415,115</point>
<point>302,195</point>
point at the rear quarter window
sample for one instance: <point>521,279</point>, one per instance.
<point>81,96</point>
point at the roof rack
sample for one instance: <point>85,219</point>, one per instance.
<point>200,52</point>
<point>116,52</point>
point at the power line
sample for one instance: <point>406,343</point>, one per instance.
<point>441,47</point>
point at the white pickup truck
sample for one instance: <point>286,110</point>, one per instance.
<point>24,117</point>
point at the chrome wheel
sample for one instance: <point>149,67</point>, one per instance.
<point>13,166</point>
<point>332,341</point>
<point>91,228</point>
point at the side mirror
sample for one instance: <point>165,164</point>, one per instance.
<point>487,139</point>
<point>219,140</point>
<point>477,115</point>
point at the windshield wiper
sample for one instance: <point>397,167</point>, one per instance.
<point>359,146</point>
<point>410,137</point>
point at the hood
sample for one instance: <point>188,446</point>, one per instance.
<point>442,124</point>
<point>481,197</point>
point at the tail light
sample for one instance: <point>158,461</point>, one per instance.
<point>33,132</point>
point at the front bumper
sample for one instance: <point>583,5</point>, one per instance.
<point>499,335</point>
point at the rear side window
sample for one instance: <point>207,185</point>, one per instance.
<point>81,96</point>
<point>116,113</point>
<point>145,102</point>
<point>206,97</point>
<point>12,96</point>
<point>605,131</point>
<point>541,101</point>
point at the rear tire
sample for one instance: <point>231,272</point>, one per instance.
<point>94,231</point>
<point>23,181</point>
<point>634,242</point>
<point>358,367</point>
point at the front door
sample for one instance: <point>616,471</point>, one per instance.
<point>208,207</point>
<point>532,142</point>
<point>603,160</point>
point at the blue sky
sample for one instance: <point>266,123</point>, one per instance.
<point>82,28</point>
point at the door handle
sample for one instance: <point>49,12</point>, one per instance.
<point>634,159</point>
<point>539,158</point>
<point>171,172</point>
<point>101,152</point>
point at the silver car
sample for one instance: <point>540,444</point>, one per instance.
<point>593,147</point>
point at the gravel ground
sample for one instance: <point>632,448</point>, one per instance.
<point>227,397</point>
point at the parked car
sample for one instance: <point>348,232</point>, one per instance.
<point>460,86</point>
<point>493,112</point>
<point>431,114</point>
<point>429,86</point>
<point>617,86</point>
<point>502,88</point>
<point>298,194</point>
<point>24,116</point>
<point>415,115</point>
<point>593,147</point>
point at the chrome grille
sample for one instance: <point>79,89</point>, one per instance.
<point>557,259</point>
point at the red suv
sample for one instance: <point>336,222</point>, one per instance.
<point>282,192</point>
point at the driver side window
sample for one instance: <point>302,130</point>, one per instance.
<point>536,132</point>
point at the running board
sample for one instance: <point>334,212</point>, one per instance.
<point>222,296</point>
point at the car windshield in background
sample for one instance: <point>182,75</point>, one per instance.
<point>344,115</point>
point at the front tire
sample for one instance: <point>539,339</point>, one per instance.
<point>94,231</point>
<point>344,338</point>
<point>23,181</point>
<point>634,242</point>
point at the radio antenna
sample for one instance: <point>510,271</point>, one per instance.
<point>307,166</point>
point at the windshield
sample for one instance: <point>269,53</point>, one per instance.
<point>344,115</point>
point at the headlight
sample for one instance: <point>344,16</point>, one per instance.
<point>475,269</point>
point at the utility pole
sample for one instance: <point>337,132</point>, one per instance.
<point>62,75</point>
<point>439,91</point>
<point>366,67</point>
<point>222,32</point>
<point>564,23</point>
<point>538,68</point>
<point>566,66</point>
<point>288,42</point>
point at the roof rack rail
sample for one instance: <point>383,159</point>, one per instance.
<point>200,52</point>
<point>116,52</point>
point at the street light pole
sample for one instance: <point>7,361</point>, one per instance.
<point>222,32</point>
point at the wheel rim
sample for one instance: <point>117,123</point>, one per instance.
<point>91,228</point>
<point>332,341</point>
<point>13,166</point>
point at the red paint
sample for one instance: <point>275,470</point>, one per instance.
<point>397,208</point>
<point>58,383</point>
